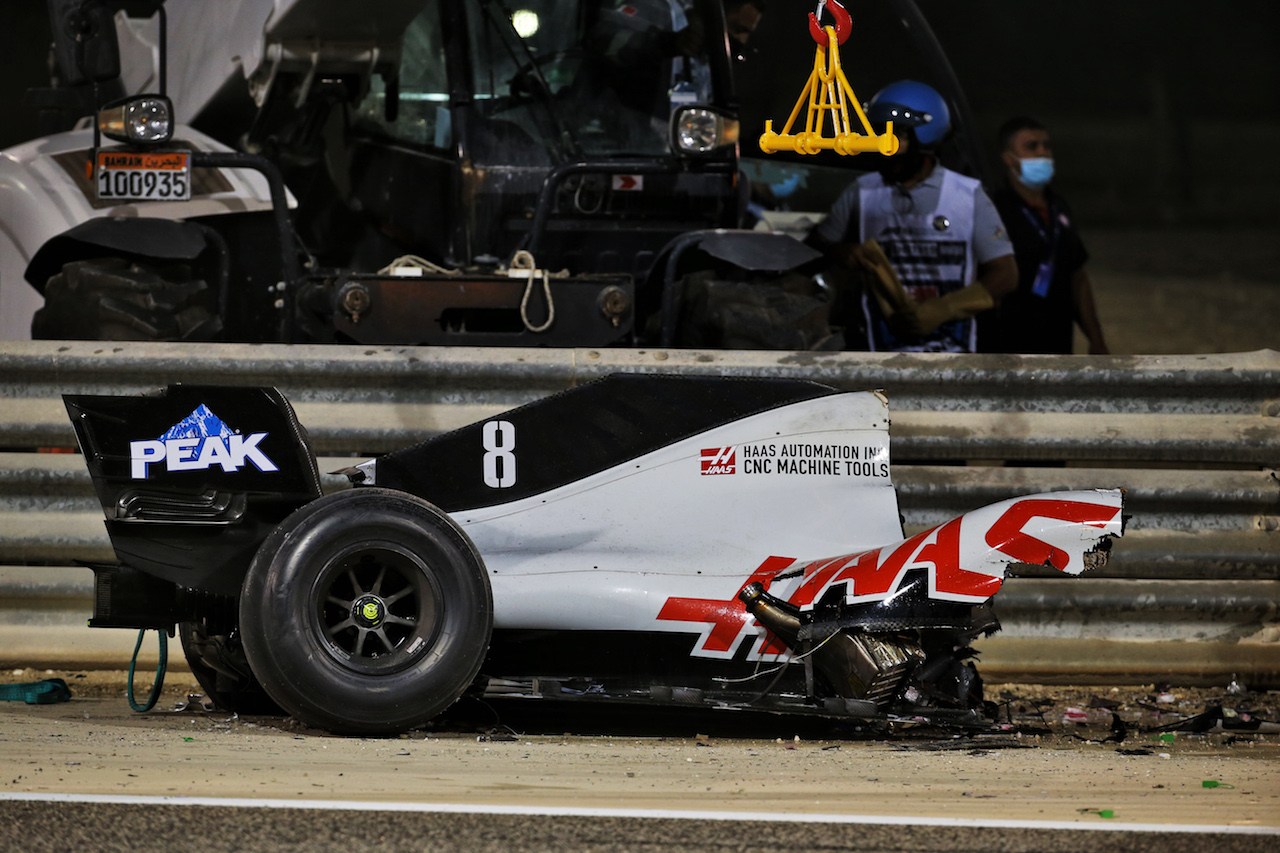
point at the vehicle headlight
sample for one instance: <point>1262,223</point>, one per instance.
<point>702,130</point>
<point>142,119</point>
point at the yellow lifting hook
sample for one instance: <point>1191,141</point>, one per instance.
<point>828,92</point>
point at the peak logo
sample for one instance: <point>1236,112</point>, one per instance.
<point>719,460</point>
<point>196,443</point>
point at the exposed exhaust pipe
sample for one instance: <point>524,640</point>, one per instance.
<point>857,666</point>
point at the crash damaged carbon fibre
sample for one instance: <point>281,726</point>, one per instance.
<point>703,542</point>
<point>963,561</point>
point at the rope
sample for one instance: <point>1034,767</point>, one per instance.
<point>577,199</point>
<point>523,261</point>
<point>158,685</point>
<point>416,262</point>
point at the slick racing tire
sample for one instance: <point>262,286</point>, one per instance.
<point>112,299</point>
<point>218,662</point>
<point>366,612</point>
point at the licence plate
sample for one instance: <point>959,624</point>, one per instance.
<point>144,176</point>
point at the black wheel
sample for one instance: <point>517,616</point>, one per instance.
<point>366,612</point>
<point>111,299</point>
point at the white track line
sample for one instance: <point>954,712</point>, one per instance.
<point>669,814</point>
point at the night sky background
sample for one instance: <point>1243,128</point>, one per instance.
<point>1163,113</point>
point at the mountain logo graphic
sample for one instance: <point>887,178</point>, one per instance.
<point>198,442</point>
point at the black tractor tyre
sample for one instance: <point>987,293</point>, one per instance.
<point>366,612</point>
<point>113,299</point>
<point>218,662</point>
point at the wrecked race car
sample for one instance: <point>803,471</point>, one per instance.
<point>706,542</point>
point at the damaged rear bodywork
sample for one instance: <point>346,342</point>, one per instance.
<point>641,539</point>
<point>882,635</point>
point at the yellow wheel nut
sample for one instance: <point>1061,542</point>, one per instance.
<point>368,612</point>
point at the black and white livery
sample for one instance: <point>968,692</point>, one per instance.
<point>698,541</point>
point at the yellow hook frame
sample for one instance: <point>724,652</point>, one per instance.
<point>828,91</point>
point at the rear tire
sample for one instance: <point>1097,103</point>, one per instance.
<point>111,299</point>
<point>366,612</point>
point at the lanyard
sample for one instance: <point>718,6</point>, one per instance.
<point>1050,237</point>
<point>1043,281</point>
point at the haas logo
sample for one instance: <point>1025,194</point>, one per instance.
<point>965,560</point>
<point>719,460</point>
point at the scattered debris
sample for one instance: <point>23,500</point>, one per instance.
<point>1216,718</point>
<point>1119,730</point>
<point>973,745</point>
<point>195,703</point>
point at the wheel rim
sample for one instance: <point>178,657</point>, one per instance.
<point>377,609</point>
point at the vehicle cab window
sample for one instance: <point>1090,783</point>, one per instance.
<point>586,77</point>
<point>423,116</point>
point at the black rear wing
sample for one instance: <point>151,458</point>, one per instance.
<point>193,478</point>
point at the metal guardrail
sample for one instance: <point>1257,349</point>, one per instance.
<point>1193,439</point>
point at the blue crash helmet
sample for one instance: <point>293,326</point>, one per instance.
<point>914,105</point>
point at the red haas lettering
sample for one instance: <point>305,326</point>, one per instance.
<point>719,460</point>
<point>725,619</point>
<point>1008,534</point>
<point>876,574</point>
<point>965,559</point>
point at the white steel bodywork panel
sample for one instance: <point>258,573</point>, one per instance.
<point>212,45</point>
<point>966,559</point>
<point>39,200</point>
<point>209,44</point>
<point>605,552</point>
<point>657,545</point>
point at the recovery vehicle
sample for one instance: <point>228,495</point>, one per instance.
<point>404,172</point>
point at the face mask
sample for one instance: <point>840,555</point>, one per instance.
<point>1036,172</point>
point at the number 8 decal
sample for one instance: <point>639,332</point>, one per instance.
<point>499,461</point>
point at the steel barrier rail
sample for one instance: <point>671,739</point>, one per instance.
<point>1193,440</point>
<point>1235,383</point>
<point>49,513</point>
<point>1222,409</point>
<point>368,428</point>
<point>75,533</point>
<point>1064,629</point>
